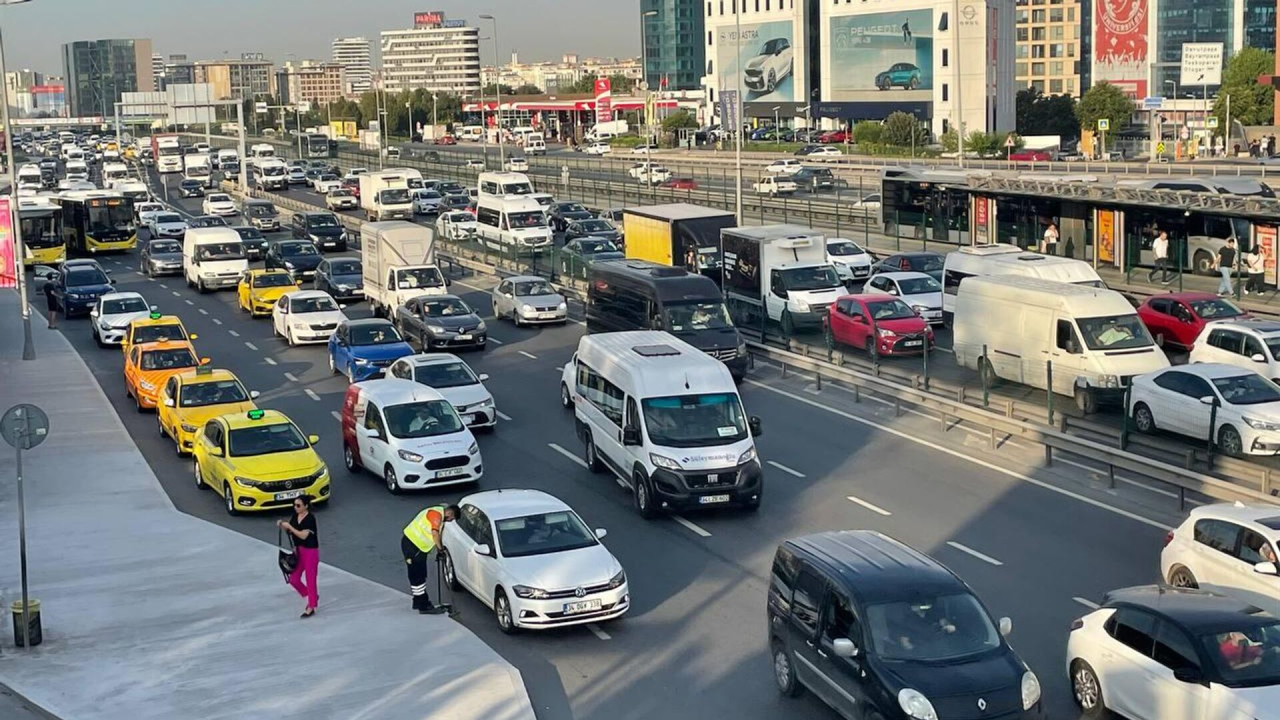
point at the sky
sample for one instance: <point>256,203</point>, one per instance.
<point>302,29</point>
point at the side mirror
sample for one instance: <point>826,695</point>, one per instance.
<point>600,533</point>
<point>313,439</point>
<point>1266,568</point>
<point>93,313</point>
<point>168,402</point>
<point>1072,347</point>
<point>447,282</point>
<point>204,361</point>
<point>1258,358</point>
<point>844,647</point>
<point>631,436</point>
<point>215,452</point>
<point>253,394</point>
<point>755,426</point>
<point>483,549</point>
<point>483,377</point>
<point>1188,675</point>
<point>1206,400</point>
<point>370,432</point>
<point>1006,626</point>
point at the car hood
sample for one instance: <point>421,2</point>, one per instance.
<point>167,257</point>
<point>995,677</point>
<point>463,395</point>
<point>564,570</point>
<point>905,326</point>
<point>540,300</point>
<point>277,466</point>
<point>121,321</point>
<point>222,204</point>
<point>91,289</point>
<point>198,416</point>
<point>757,62</point>
<point>328,317</point>
<point>387,351</point>
<point>576,215</point>
<point>170,225</point>
<point>438,446</point>
<point>355,280</point>
<point>325,232</point>
<point>271,293</point>
<point>606,255</point>
<point>303,262</point>
<point>454,321</point>
<point>930,299</point>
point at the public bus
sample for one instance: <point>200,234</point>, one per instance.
<point>316,145</point>
<point>97,221</point>
<point>41,223</point>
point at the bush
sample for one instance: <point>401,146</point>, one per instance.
<point>867,131</point>
<point>904,130</point>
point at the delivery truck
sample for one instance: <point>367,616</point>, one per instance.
<point>384,195</point>
<point>399,263</point>
<point>778,272</point>
<point>167,152</point>
<point>680,235</point>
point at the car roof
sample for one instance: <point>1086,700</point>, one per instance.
<point>876,567</point>
<point>868,297</point>
<point>122,296</point>
<point>503,504</point>
<point>162,320</point>
<point>167,345</point>
<point>236,421</point>
<point>1210,371</point>
<point>1258,325</point>
<point>433,358</point>
<point>1186,296</point>
<point>904,275</point>
<point>195,376</point>
<point>524,278</point>
<point>397,391</point>
<point>259,272</point>
<point>367,322</point>
<point>1198,611</point>
<point>916,253</point>
<point>1268,516</point>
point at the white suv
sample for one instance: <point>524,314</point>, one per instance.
<point>1227,548</point>
<point>1250,344</point>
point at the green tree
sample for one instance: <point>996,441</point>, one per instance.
<point>677,120</point>
<point>1251,103</point>
<point>527,89</point>
<point>1039,114</point>
<point>585,84</point>
<point>1104,101</point>
<point>903,129</point>
<point>489,90</point>
<point>868,131</point>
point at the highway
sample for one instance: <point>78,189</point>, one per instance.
<point>1037,544</point>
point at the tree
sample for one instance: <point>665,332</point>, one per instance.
<point>585,84</point>
<point>1104,101</point>
<point>490,91</point>
<point>1251,103</point>
<point>1039,114</point>
<point>868,131</point>
<point>677,120</point>
<point>527,89</point>
<point>621,83</point>
<point>903,129</point>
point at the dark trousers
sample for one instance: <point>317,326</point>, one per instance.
<point>1256,284</point>
<point>415,562</point>
<point>1162,267</point>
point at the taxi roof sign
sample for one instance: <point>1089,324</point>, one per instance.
<point>256,414</point>
<point>155,315</point>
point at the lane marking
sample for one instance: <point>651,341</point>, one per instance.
<point>202,311</point>
<point>311,394</point>
<point>336,415</point>
<point>166,287</point>
<point>1087,603</point>
<point>135,272</point>
<point>216,321</point>
<point>503,416</point>
<point>190,302</point>
<point>291,377</point>
<point>867,505</point>
<point>270,361</point>
<point>953,453</point>
<point>150,279</point>
<point>234,333</point>
<point>250,345</point>
<point>974,553</point>
<point>496,341</point>
<point>595,630</point>
<point>531,356</point>
<point>785,469</point>
<point>691,526</point>
<point>566,453</point>
<point>176,293</point>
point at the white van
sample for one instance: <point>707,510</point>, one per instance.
<point>1092,335</point>
<point>502,184</point>
<point>666,419</point>
<point>213,258</point>
<point>77,170</point>
<point>535,144</point>
<point>1003,259</point>
<point>514,223</point>
<point>114,171</point>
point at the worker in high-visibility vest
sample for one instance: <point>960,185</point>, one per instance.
<point>421,536</point>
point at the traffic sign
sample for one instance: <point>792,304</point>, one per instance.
<point>24,426</point>
<point>1008,141</point>
<point>1213,122</point>
<point>260,108</point>
<point>1152,103</point>
<point>1104,124</point>
<point>1160,148</point>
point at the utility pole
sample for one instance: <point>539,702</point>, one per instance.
<point>955,57</point>
<point>737,131</point>
<point>20,251</point>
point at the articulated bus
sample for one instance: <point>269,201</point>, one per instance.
<point>41,222</point>
<point>97,221</point>
<point>316,145</point>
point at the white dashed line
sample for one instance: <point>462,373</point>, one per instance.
<point>692,527</point>
<point>867,505</point>
<point>270,361</point>
<point>336,415</point>
<point>785,469</point>
<point>216,321</point>
<point>234,333</point>
<point>1087,603</point>
<point>975,553</point>
<point>190,303</point>
<point>151,279</point>
<point>135,272</point>
<point>291,377</point>
<point>595,630</point>
<point>166,287</point>
<point>503,416</point>
<point>176,293</point>
<point>531,356</point>
<point>566,453</point>
<point>496,341</point>
<point>311,394</point>
<point>202,311</point>
<point>250,345</point>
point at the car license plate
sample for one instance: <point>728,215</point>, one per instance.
<point>713,499</point>
<point>469,418</point>
<point>582,606</point>
<point>547,316</point>
<point>452,472</point>
<point>289,495</point>
<point>913,343</point>
<point>464,337</point>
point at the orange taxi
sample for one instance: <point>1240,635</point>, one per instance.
<point>147,367</point>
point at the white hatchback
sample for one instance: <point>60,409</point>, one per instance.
<point>916,289</point>
<point>598,149</point>
<point>218,204</point>
<point>306,316</point>
<point>1181,400</point>
<point>851,260</point>
<point>1251,344</point>
<point>1227,548</point>
<point>786,166</point>
<point>530,558</point>
<point>448,375</point>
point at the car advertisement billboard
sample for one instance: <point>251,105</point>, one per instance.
<point>1120,45</point>
<point>768,61</point>
<point>882,56</point>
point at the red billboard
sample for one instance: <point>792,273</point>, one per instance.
<point>1120,46</point>
<point>428,19</point>
<point>604,100</point>
<point>8,254</point>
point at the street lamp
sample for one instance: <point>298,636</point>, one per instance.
<point>737,131</point>
<point>28,346</point>
<point>409,106</point>
<point>644,69</point>
<point>497,88</point>
<point>1177,133</point>
<point>777,131</point>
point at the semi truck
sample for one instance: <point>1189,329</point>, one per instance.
<point>384,195</point>
<point>779,272</point>
<point>399,263</point>
<point>167,153</point>
<point>680,234</point>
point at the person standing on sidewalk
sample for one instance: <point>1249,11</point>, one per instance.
<point>1253,264</point>
<point>1050,245</point>
<point>51,304</point>
<point>1160,248</point>
<point>306,542</point>
<point>421,537</point>
<point>1226,263</point>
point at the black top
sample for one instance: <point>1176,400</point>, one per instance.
<point>1226,257</point>
<point>308,523</point>
<point>1198,611</point>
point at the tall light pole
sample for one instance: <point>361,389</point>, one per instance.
<point>956,52</point>
<point>19,250</point>
<point>644,69</point>
<point>1177,134</point>
<point>777,131</point>
<point>497,88</point>
<point>409,106</point>
<point>737,131</point>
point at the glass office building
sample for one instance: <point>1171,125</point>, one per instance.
<point>1260,24</point>
<point>98,72</point>
<point>674,47</point>
<point>1188,21</point>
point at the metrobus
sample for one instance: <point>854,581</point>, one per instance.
<point>316,145</point>
<point>97,221</point>
<point>41,223</point>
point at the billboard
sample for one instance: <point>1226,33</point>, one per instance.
<point>428,19</point>
<point>882,56</point>
<point>1120,48</point>
<point>604,100</point>
<point>8,253</point>
<point>768,61</point>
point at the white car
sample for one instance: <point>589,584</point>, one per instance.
<point>167,224</point>
<point>644,149</point>
<point>785,166</point>
<point>326,182</point>
<point>529,300</point>
<point>1160,653</point>
<point>474,164</point>
<point>146,212</point>
<point>919,291</point>
<point>598,148</point>
<point>530,558</point>
<point>516,164</point>
<point>569,383</point>
<point>1228,548</point>
<point>1181,400</point>
<point>867,205</point>
<point>1250,344</point>
<point>112,315</point>
<point>297,175</point>
<point>824,151</point>
<point>851,260</point>
<point>426,202</point>
<point>219,204</point>
<point>775,61</point>
<point>306,316</point>
<point>448,375</point>
<point>456,225</point>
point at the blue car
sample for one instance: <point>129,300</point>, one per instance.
<point>77,289</point>
<point>362,349</point>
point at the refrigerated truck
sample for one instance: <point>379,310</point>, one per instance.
<point>679,234</point>
<point>781,271</point>
<point>167,152</point>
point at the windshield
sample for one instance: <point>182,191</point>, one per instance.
<point>1251,389</point>
<point>219,199</point>
<point>164,247</point>
<point>820,277</point>
<point>693,316</point>
<point>1120,332</point>
<point>1249,657</point>
<point>295,249</point>
<point>323,221</point>
<point>931,629</point>
<point>168,359</point>
<point>571,208</point>
<point>220,392</point>
<point>347,267</point>
<point>158,333</point>
<point>461,217</point>
<point>414,278</point>
<point>220,251</point>
<point>341,193</point>
<point>543,533</point>
<point>253,210</point>
<point>41,231</point>
<point>265,439</point>
<point>926,263</point>
<point>114,216</point>
<point>695,420</point>
<point>444,375</point>
<point>534,288</point>
<point>517,189</point>
<point>422,419</point>
<point>87,276</point>
<point>168,218</point>
<point>280,279</point>
<point>594,226</point>
<point>248,233</point>
<point>313,304</point>
<point>591,247</point>
<point>394,195</point>
<point>844,249</point>
<point>124,305</point>
<point>444,307</point>
<point>919,286</point>
<point>520,220</point>
<point>429,195</point>
<point>374,335</point>
<point>890,310</point>
<point>1215,308</point>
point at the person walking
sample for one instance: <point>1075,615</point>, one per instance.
<point>1050,244</point>
<point>1253,263</point>
<point>306,542</point>
<point>51,304</point>
<point>1226,263</point>
<point>421,537</point>
<point>1160,249</point>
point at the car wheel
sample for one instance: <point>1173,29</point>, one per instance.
<point>643,496</point>
<point>288,337</point>
<point>200,286</point>
<point>199,477</point>
<point>1203,263</point>
<point>1087,690</point>
<point>392,482</point>
<point>349,458</point>
<point>502,609</point>
<point>566,400</point>
<point>1229,441</point>
<point>160,426</point>
<point>913,83</point>
<point>1142,418</point>
<point>97,338</point>
<point>1181,577</point>
<point>229,500</point>
<point>784,672</point>
<point>593,461</point>
<point>450,577</point>
<point>773,80</point>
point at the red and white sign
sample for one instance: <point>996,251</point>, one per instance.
<point>9,261</point>
<point>428,19</point>
<point>1121,52</point>
<point>604,100</point>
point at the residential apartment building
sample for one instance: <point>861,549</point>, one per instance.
<point>98,71</point>
<point>354,57</point>
<point>552,77</point>
<point>319,83</point>
<point>1049,51</point>
<point>674,43</point>
<point>436,55</point>
<point>249,77</point>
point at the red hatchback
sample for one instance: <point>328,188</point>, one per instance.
<point>834,136</point>
<point>677,183</point>
<point>1176,319</point>
<point>446,140</point>
<point>878,324</point>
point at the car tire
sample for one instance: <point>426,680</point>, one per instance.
<point>1086,690</point>
<point>1203,264</point>
<point>288,337</point>
<point>390,480</point>
<point>1180,577</point>
<point>97,338</point>
<point>502,611</point>
<point>592,459</point>
<point>643,496</point>
<point>349,458</point>
<point>160,426</point>
<point>229,500</point>
<point>773,80</point>
<point>1143,420</point>
<point>199,477</point>
<point>1229,441</point>
<point>784,672</point>
<point>566,400</point>
<point>450,574</point>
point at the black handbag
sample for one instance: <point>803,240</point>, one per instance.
<point>288,558</point>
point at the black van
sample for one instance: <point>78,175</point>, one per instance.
<point>643,295</point>
<point>879,630</point>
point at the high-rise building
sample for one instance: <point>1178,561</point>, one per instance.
<point>353,55</point>
<point>251,76</point>
<point>99,71</point>
<point>436,54</point>
<point>674,43</point>
<point>314,82</point>
<point>1049,51</point>
<point>157,70</point>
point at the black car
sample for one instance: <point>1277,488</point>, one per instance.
<point>204,221</point>
<point>814,179</point>
<point>593,227</point>
<point>460,201</point>
<point>560,214</point>
<point>343,278</point>
<point>449,187</point>
<point>807,149</point>
<point>161,256</point>
<point>439,322</point>
<point>929,263</point>
<point>255,243</point>
<point>190,188</point>
<point>876,628</point>
<point>321,228</point>
<point>299,257</point>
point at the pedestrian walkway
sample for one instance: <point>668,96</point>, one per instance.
<point>152,613</point>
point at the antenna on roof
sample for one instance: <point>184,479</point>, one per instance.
<point>686,381</point>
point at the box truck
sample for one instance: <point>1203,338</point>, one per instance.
<point>197,166</point>
<point>680,234</point>
<point>780,271</point>
<point>167,153</point>
<point>398,263</point>
<point>384,195</point>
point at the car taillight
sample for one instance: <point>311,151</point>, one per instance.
<point>1168,538</point>
<point>1077,623</point>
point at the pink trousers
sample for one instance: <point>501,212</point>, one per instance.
<point>308,562</point>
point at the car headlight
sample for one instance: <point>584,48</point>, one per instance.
<point>146,385</point>
<point>748,455</point>
<point>563,305</point>
<point>1030,690</point>
<point>343,288</point>
<point>916,705</point>
<point>885,332</point>
<point>246,482</point>
<point>103,324</point>
<point>1262,424</point>
<point>189,428</point>
<point>919,309</point>
<point>473,449</point>
<point>800,305</point>
<point>481,327</point>
<point>526,308</point>
<point>361,361</point>
<point>1109,381</point>
<point>617,581</point>
<point>288,265</point>
<point>412,457</point>
<point>437,329</point>
<point>529,593</point>
<point>663,461</point>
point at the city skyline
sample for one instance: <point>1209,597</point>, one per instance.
<point>533,28</point>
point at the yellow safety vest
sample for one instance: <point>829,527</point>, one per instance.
<point>419,531</point>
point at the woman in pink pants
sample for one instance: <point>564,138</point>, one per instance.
<point>306,542</point>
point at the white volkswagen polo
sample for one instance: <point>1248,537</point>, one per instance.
<point>306,316</point>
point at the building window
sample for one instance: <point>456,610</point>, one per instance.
<point>1021,70</point>
<point>1071,86</point>
<point>1037,34</point>
<point>1055,87</point>
<point>1023,35</point>
<point>1022,17</point>
<point>1023,51</point>
<point>1055,68</point>
<point>944,92</point>
<point>1055,15</point>
<point>1037,16</point>
<point>1037,68</point>
<point>945,57</point>
<point>1056,32</point>
<point>1071,14</point>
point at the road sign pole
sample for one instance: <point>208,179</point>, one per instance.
<point>22,542</point>
<point>23,427</point>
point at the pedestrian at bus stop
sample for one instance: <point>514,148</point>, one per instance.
<point>51,303</point>
<point>1160,249</point>
<point>421,537</point>
<point>1226,263</point>
<point>1253,264</point>
<point>1050,244</point>
<point>306,543</point>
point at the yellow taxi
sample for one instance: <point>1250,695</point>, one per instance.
<point>258,460</point>
<point>260,289</point>
<point>148,366</point>
<point>155,328</point>
<point>191,398</point>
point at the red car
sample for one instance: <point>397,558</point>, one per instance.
<point>879,324</point>
<point>446,140</point>
<point>1176,319</point>
<point>681,184</point>
<point>834,136</point>
<point>1030,156</point>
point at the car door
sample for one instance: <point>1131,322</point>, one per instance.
<point>1184,326</point>
<point>131,369</point>
<point>843,675</point>
<point>1213,551</point>
<point>374,451</point>
<point>299,226</point>
<point>409,317</point>
<point>339,350</point>
<point>1194,413</point>
<point>1243,581</point>
<point>500,298</point>
<point>1163,396</point>
<point>1157,318</point>
<point>776,299</point>
<point>280,316</point>
<point>1255,356</point>
<point>164,410</point>
<point>1176,699</point>
<point>486,569</point>
<point>802,630</point>
<point>460,538</point>
<point>1128,670</point>
<point>321,281</point>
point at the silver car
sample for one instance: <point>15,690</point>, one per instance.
<point>529,300</point>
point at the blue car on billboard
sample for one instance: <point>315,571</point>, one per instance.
<point>904,75</point>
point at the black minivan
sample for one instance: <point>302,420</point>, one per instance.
<point>879,630</point>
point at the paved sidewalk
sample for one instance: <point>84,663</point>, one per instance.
<point>151,613</point>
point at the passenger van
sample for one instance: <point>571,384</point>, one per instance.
<point>1002,259</point>
<point>77,170</point>
<point>213,258</point>
<point>643,295</point>
<point>535,144</point>
<point>665,419</point>
<point>502,184</point>
<point>1092,335</point>
<point>513,223</point>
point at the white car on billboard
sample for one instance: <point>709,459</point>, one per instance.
<point>774,63</point>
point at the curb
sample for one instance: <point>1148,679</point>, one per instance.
<point>26,702</point>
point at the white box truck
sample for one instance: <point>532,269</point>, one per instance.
<point>384,195</point>
<point>213,258</point>
<point>399,263</point>
<point>781,270</point>
<point>197,166</point>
